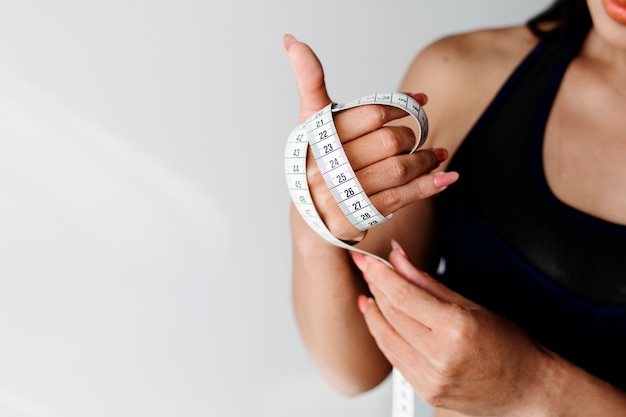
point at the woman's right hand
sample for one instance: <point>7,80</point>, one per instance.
<point>379,153</point>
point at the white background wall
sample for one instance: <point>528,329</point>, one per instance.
<point>144,248</point>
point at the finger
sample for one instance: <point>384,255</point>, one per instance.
<point>378,145</point>
<point>389,200</point>
<point>396,171</point>
<point>421,98</point>
<point>391,343</point>
<point>415,302</point>
<point>419,318</point>
<point>361,120</point>
<point>405,268</point>
<point>309,77</point>
<point>412,331</point>
<point>413,365</point>
<point>416,332</point>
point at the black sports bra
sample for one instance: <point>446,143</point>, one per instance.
<point>510,245</point>
<point>582,253</point>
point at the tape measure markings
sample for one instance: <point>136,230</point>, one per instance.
<point>331,158</point>
<point>319,132</point>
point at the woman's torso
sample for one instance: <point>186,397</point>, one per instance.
<point>582,173</point>
<point>582,147</point>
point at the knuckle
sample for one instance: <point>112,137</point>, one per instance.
<point>464,327</point>
<point>437,393</point>
<point>427,160</point>
<point>388,200</point>
<point>399,169</point>
<point>449,366</point>
<point>389,141</point>
<point>400,297</point>
<point>460,333</point>
<point>375,115</point>
<point>421,189</point>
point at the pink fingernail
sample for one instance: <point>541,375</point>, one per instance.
<point>396,246</point>
<point>443,179</point>
<point>441,154</point>
<point>288,40</point>
<point>421,98</point>
<point>364,302</point>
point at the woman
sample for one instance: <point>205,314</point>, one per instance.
<point>526,315</point>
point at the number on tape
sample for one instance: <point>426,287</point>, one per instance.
<point>319,133</point>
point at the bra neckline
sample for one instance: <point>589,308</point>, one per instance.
<point>537,139</point>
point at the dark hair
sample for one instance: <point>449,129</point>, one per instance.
<point>563,19</point>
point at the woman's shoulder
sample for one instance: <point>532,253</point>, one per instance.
<point>461,73</point>
<point>484,49</point>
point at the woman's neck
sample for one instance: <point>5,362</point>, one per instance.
<point>606,55</point>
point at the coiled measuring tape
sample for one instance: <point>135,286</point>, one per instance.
<point>319,132</point>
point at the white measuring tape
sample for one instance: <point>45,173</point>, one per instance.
<point>319,132</point>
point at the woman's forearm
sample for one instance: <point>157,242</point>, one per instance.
<point>325,290</point>
<point>569,391</point>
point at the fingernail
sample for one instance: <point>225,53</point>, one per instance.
<point>421,98</point>
<point>364,302</point>
<point>360,260</point>
<point>441,154</point>
<point>443,179</point>
<point>288,40</point>
<point>396,246</point>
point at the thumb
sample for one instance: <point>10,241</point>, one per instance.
<point>405,268</point>
<point>309,77</point>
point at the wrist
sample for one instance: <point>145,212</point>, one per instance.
<point>312,254</point>
<point>563,389</point>
<point>542,387</point>
<point>550,393</point>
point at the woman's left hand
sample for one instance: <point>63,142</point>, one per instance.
<point>456,354</point>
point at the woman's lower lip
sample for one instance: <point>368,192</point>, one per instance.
<point>616,9</point>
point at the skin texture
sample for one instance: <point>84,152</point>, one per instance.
<point>357,317</point>
<point>487,362</point>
